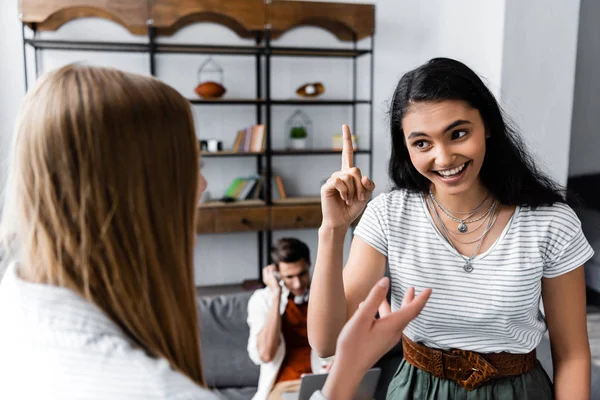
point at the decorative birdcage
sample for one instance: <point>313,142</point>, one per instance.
<point>298,131</point>
<point>210,80</point>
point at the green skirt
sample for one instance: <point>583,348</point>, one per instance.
<point>409,382</point>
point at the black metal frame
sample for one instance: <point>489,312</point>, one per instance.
<point>263,51</point>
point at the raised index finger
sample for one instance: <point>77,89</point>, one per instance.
<point>347,153</point>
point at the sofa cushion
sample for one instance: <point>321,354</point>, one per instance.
<point>223,337</point>
<point>583,190</point>
<point>244,393</point>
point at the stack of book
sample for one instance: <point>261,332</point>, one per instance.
<point>253,188</point>
<point>250,140</point>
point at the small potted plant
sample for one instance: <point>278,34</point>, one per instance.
<point>298,137</point>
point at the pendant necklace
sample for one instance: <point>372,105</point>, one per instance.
<point>462,222</point>
<point>468,266</point>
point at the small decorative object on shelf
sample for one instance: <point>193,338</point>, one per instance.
<point>299,129</point>
<point>214,145</point>
<point>311,90</point>
<point>298,137</point>
<point>337,142</point>
<point>210,80</point>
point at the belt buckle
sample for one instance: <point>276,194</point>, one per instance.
<point>481,370</point>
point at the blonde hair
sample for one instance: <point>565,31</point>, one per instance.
<point>101,199</point>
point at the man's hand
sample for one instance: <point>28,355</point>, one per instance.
<point>270,279</point>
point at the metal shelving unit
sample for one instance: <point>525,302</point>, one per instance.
<point>264,50</point>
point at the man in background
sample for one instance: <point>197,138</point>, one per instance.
<point>277,316</point>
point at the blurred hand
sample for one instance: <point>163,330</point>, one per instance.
<point>364,339</point>
<point>270,280</point>
<point>346,192</point>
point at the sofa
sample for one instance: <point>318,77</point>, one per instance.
<point>585,198</point>
<point>231,374</point>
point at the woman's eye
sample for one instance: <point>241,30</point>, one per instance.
<point>420,144</point>
<point>458,134</point>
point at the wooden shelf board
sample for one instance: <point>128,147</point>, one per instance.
<point>242,203</point>
<point>298,200</point>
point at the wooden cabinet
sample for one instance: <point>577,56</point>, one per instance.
<point>262,218</point>
<point>205,220</point>
<point>296,217</point>
<point>241,219</point>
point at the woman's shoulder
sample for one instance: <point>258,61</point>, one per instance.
<point>557,216</point>
<point>549,212</point>
<point>397,199</point>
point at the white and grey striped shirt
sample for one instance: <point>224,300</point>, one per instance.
<point>56,345</point>
<point>495,307</point>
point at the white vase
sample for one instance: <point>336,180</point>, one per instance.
<point>298,144</point>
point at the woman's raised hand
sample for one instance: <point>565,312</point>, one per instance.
<point>346,192</point>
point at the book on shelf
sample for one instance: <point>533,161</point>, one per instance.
<point>250,139</point>
<point>235,188</point>
<point>279,187</point>
<point>252,188</point>
<point>243,189</point>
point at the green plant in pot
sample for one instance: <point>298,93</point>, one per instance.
<point>298,137</point>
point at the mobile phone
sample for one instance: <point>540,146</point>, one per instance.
<point>277,276</point>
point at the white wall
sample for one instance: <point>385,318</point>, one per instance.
<point>538,72</point>
<point>585,132</point>
<point>12,88</point>
<point>408,33</point>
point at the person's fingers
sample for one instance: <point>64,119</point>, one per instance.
<point>361,190</point>
<point>341,187</point>
<point>347,150</point>
<point>384,309</point>
<point>409,311</point>
<point>374,299</point>
<point>408,296</point>
<point>369,186</point>
<point>349,182</point>
<point>419,302</point>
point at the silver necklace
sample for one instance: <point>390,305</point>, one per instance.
<point>455,236</point>
<point>462,222</point>
<point>471,230</point>
<point>462,227</point>
<point>468,267</point>
<point>473,211</point>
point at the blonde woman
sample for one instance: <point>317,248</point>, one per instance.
<point>101,199</point>
<point>99,212</point>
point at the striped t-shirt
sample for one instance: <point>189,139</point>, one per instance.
<point>495,307</point>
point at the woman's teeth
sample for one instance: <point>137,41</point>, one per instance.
<point>450,172</point>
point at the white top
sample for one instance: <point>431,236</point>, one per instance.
<point>258,310</point>
<point>495,307</point>
<point>56,345</point>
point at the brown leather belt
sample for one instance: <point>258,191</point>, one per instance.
<point>467,368</point>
